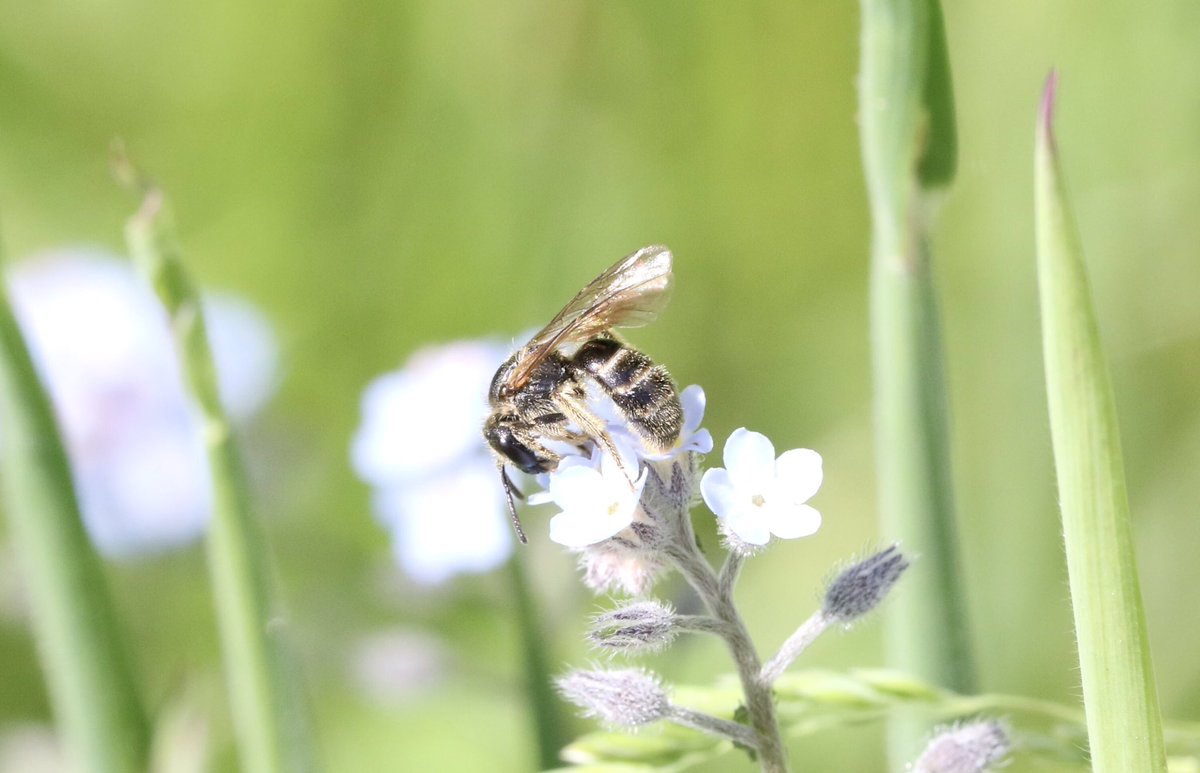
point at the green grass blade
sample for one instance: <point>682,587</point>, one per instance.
<point>1120,700</point>
<point>906,114</point>
<point>544,704</point>
<point>90,681</point>
<point>268,706</point>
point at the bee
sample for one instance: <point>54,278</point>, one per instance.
<point>539,397</point>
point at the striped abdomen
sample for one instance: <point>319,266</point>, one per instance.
<point>641,390</point>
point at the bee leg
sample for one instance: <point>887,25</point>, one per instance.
<point>510,488</point>
<point>576,410</point>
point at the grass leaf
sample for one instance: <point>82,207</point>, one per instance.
<point>90,681</point>
<point>267,703</point>
<point>1119,695</point>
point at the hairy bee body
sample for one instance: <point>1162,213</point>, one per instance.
<point>642,391</point>
<point>543,395</point>
<point>553,404</point>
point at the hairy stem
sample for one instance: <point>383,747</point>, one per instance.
<point>717,595</point>
<point>799,641</point>
<point>706,723</point>
<point>703,624</point>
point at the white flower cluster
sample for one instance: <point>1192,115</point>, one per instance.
<point>754,496</point>
<point>436,488</point>
<point>103,347</point>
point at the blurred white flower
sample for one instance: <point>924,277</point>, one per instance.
<point>29,748</point>
<point>103,348</point>
<point>397,666</point>
<point>420,447</point>
<point>449,522</point>
<point>597,498</point>
<point>757,495</point>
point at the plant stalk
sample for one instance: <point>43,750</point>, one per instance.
<point>269,708</point>
<point>540,696</point>
<point>716,592</point>
<point>908,145</point>
<point>88,674</point>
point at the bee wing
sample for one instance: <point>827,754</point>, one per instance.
<point>629,294</point>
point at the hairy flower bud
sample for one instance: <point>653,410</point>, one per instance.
<point>969,748</point>
<point>861,587</point>
<point>643,626</point>
<point>625,698</point>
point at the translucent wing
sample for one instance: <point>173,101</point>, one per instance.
<point>628,294</point>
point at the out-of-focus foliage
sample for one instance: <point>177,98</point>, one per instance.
<point>378,176</point>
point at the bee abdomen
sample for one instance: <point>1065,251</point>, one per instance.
<point>641,390</point>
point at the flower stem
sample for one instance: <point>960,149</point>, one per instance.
<point>267,700</point>
<point>539,693</point>
<point>799,641</point>
<point>906,118</point>
<point>702,624</point>
<point>717,595</point>
<point>705,723</point>
<point>734,561</point>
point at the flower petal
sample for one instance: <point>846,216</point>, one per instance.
<point>578,529</point>
<point>452,523</point>
<point>718,491</point>
<point>693,401</point>
<point>798,475</point>
<point>578,488</point>
<point>750,459</point>
<point>701,442</point>
<point>748,523</point>
<point>792,521</point>
<point>621,467</point>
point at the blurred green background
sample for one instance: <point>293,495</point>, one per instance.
<point>378,176</point>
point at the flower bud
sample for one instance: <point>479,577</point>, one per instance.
<point>619,566</point>
<point>643,626</point>
<point>624,698</point>
<point>859,588</point>
<point>970,748</point>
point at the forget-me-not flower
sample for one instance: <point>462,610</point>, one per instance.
<point>597,497</point>
<point>756,495</point>
<point>435,484</point>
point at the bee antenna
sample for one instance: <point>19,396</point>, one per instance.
<point>512,506</point>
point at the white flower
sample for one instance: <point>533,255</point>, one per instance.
<point>400,666</point>
<point>450,522</point>
<point>419,446</point>
<point>757,495</point>
<point>596,497</point>
<point>426,416</point>
<point>102,345</point>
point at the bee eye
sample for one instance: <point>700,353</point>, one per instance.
<point>519,454</point>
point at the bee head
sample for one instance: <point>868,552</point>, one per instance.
<point>504,435</point>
